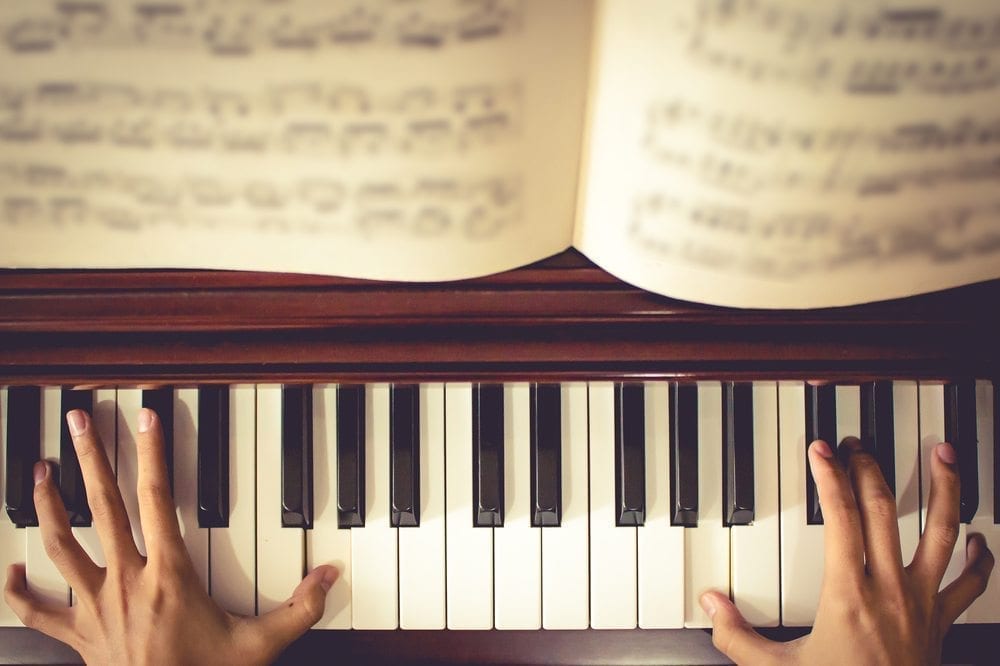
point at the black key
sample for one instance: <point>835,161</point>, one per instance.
<point>878,429</point>
<point>487,455</point>
<point>821,423</point>
<point>71,485</point>
<point>630,455</point>
<point>296,457</point>
<point>404,440</point>
<point>737,462</point>
<point>350,456</point>
<point>213,456</point>
<point>960,430</point>
<point>161,401</point>
<point>683,406</point>
<point>546,455</point>
<point>996,452</point>
<point>24,439</point>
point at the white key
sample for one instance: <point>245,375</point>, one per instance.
<point>660,544</point>
<point>234,549</point>
<point>280,550</point>
<point>12,544</point>
<point>706,547</point>
<point>325,542</point>
<point>517,545</point>
<point>470,549</point>
<point>987,607</point>
<point>422,593</point>
<point>906,448</point>
<point>613,579</point>
<point>129,404</point>
<point>932,433</point>
<point>565,549</point>
<point>374,568</point>
<point>848,413</point>
<point>755,548</point>
<point>186,480</point>
<point>44,579</point>
<point>105,420</point>
<point>801,544</point>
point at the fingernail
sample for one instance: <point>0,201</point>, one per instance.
<point>946,453</point>
<point>822,448</point>
<point>707,602</point>
<point>77,421</point>
<point>41,470</point>
<point>329,578</point>
<point>145,420</point>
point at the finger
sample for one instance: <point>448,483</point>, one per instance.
<point>303,609</point>
<point>60,545</point>
<point>156,504</point>
<point>937,543</point>
<point>842,539</point>
<point>106,506</point>
<point>732,635</point>
<point>48,618</point>
<point>971,583</point>
<point>877,509</point>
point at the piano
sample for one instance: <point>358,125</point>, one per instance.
<point>541,465</point>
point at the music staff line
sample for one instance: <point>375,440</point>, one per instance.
<point>218,29</point>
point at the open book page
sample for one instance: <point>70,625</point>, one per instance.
<point>400,139</point>
<point>777,153</point>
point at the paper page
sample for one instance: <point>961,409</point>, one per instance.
<point>400,139</point>
<point>777,153</point>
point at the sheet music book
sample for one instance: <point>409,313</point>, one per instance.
<point>751,153</point>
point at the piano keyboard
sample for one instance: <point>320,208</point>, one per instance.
<point>515,506</point>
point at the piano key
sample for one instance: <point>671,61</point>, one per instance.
<point>738,461</point>
<point>469,549</point>
<point>683,406</point>
<point>185,412</point>
<point>877,427</point>
<point>422,593</point>
<point>12,544</point>
<point>565,551</point>
<point>280,550</point>
<point>105,421</point>
<point>44,579</point>
<point>960,431</point>
<point>350,455</point>
<point>821,423</point>
<point>755,546</point>
<point>233,551</point>
<point>660,545</point>
<point>801,541</point>
<point>546,438</point>
<point>517,554</point>
<point>325,543</point>
<point>404,437</point>
<point>296,457</point>
<point>161,401</point>
<point>706,547</point>
<point>906,457</point>
<point>987,607</point>
<point>212,445</point>
<point>71,486</point>
<point>374,547</point>
<point>613,592</point>
<point>487,455</point>
<point>630,466</point>
<point>23,427</point>
<point>127,411</point>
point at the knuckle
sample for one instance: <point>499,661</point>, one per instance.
<point>313,608</point>
<point>944,535</point>
<point>31,618</point>
<point>153,492</point>
<point>881,505</point>
<point>103,502</point>
<point>57,546</point>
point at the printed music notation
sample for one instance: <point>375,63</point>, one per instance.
<point>312,118</point>
<point>42,194</point>
<point>235,29</point>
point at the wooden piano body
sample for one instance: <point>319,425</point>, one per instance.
<point>560,319</point>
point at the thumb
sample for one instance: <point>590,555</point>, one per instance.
<point>732,635</point>
<point>303,609</point>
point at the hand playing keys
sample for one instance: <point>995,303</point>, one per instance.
<point>145,610</point>
<point>872,608</point>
